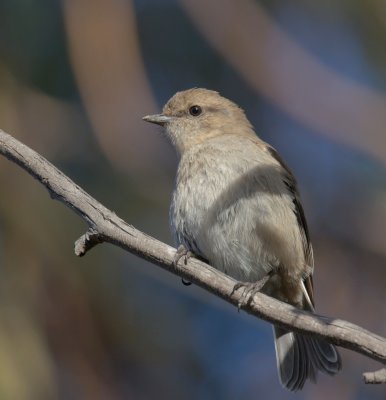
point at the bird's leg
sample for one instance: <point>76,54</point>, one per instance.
<point>249,290</point>
<point>182,252</point>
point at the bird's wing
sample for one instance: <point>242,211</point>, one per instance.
<point>291,184</point>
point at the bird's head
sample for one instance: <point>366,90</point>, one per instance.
<point>196,115</point>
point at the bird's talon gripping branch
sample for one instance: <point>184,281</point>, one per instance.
<point>182,252</point>
<point>249,290</point>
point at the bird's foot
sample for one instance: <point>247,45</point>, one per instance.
<point>182,252</point>
<point>249,290</point>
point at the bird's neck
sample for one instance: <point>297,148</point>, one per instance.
<point>192,142</point>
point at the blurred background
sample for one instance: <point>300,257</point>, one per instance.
<point>76,76</point>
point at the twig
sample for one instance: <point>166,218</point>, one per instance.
<point>376,376</point>
<point>105,226</point>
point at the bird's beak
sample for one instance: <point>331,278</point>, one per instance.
<point>159,119</point>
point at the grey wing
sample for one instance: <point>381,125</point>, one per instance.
<point>290,181</point>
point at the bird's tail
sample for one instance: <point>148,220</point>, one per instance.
<point>300,357</point>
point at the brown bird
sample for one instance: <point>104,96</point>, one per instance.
<point>236,205</point>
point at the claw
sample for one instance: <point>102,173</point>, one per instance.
<point>182,252</point>
<point>250,289</point>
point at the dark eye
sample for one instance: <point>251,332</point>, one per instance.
<point>195,111</point>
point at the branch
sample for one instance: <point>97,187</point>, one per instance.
<point>375,377</point>
<point>106,226</point>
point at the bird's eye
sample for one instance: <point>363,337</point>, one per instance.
<point>195,111</point>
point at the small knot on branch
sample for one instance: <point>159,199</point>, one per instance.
<point>87,241</point>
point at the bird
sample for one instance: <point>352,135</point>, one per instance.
<point>236,205</point>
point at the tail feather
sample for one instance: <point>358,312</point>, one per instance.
<point>300,357</point>
<point>327,358</point>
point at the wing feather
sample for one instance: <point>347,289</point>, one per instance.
<point>291,184</point>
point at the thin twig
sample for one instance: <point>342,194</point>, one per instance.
<point>375,377</point>
<point>105,226</point>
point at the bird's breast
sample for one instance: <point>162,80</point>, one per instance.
<point>232,208</point>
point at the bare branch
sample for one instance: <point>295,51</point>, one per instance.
<point>105,226</point>
<point>87,241</point>
<point>375,377</point>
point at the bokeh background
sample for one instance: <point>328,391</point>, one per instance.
<point>76,76</point>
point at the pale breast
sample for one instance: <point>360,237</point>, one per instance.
<point>231,207</point>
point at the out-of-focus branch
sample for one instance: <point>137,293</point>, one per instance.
<point>296,81</point>
<point>105,55</point>
<point>105,226</point>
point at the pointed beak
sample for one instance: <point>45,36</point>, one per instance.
<point>159,119</point>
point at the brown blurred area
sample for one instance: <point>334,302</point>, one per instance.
<point>76,77</point>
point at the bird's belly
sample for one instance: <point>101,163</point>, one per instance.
<point>238,216</point>
<point>223,229</point>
